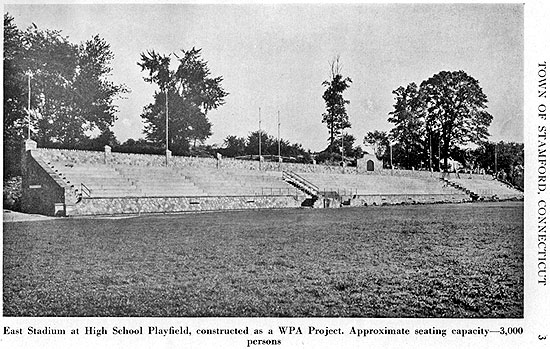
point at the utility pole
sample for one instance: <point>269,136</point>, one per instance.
<point>260,138</point>
<point>29,75</point>
<point>343,164</point>
<point>166,93</point>
<point>391,159</point>
<point>279,134</point>
<point>431,167</point>
<point>496,168</point>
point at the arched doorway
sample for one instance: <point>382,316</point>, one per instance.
<point>370,165</point>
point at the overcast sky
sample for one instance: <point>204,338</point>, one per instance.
<point>277,56</point>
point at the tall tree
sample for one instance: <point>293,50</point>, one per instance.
<point>379,141</point>
<point>336,116</point>
<point>234,146</point>
<point>71,95</point>
<point>14,96</point>
<point>187,93</point>
<point>410,123</point>
<point>455,102</point>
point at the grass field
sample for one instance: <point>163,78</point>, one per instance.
<point>452,260</point>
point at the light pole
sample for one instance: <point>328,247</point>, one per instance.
<point>391,158</point>
<point>166,88</point>
<point>260,138</point>
<point>496,168</point>
<point>279,134</point>
<point>29,75</point>
<point>166,94</point>
<point>343,168</point>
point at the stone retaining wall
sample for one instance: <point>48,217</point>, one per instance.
<point>43,191</point>
<point>370,200</point>
<point>140,205</point>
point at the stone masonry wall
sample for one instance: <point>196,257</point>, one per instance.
<point>43,191</point>
<point>143,205</point>
<point>370,200</point>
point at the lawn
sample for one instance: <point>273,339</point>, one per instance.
<point>448,260</point>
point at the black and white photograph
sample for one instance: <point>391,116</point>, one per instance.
<point>274,174</point>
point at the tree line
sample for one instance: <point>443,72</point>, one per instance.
<point>72,104</point>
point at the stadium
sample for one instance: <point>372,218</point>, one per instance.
<point>209,216</point>
<point>265,239</point>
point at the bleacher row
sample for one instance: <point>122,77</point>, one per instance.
<point>376,185</point>
<point>119,180</point>
<point>488,189</point>
<point>101,180</point>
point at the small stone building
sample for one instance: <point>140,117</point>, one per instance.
<point>369,163</point>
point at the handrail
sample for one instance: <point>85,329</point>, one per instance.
<point>85,190</point>
<point>303,183</point>
<point>278,191</point>
<point>340,191</point>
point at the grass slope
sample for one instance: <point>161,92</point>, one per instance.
<point>463,260</point>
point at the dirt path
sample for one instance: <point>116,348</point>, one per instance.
<point>12,216</point>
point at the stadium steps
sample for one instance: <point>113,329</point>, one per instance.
<point>223,182</point>
<point>93,180</point>
<point>154,181</point>
<point>302,183</point>
<point>352,184</point>
<point>485,189</point>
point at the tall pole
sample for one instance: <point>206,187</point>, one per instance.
<point>166,92</point>
<point>439,153</point>
<point>431,167</point>
<point>496,168</point>
<point>29,105</point>
<point>260,137</point>
<point>343,168</point>
<point>279,133</point>
<point>391,158</point>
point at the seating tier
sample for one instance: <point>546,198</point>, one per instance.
<point>488,188</point>
<point>377,184</point>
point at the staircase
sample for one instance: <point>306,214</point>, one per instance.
<point>465,190</point>
<point>304,185</point>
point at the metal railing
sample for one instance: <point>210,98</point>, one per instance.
<point>84,190</point>
<point>340,191</point>
<point>302,183</point>
<point>279,191</point>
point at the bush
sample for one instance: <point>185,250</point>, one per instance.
<point>12,193</point>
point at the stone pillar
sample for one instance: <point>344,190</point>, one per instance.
<point>107,154</point>
<point>30,145</point>
<point>219,160</point>
<point>168,157</point>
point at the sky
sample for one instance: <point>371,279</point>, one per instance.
<point>276,56</point>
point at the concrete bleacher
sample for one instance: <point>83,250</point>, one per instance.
<point>94,180</point>
<point>487,188</point>
<point>159,181</point>
<point>377,184</point>
<point>89,183</point>
<point>114,180</point>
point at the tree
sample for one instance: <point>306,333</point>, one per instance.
<point>336,116</point>
<point>447,110</point>
<point>14,97</point>
<point>455,105</point>
<point>269,144</point>
<point>380,143</point>
<point>409,118</point>
<point>141,146</point>
<point>233,146</point>
<point>186,94</point>
<point>240,146</point>
<point>71,95</point>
